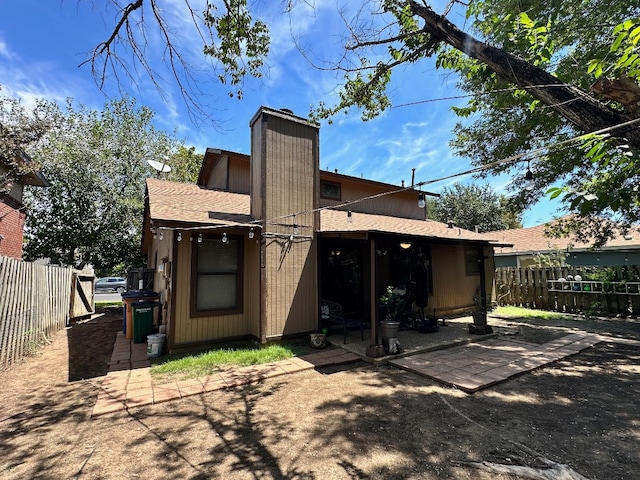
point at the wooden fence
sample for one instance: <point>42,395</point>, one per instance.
<point>36,301</point>
<point>558,289</point>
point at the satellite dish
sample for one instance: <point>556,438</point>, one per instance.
<point>159,166</point>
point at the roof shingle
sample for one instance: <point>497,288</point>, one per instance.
<point>173,202</point>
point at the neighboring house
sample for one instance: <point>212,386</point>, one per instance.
<point>12,213</point>
<point>531,245</point>
<point>250,251</point>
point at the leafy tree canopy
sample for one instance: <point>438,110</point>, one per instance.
<point>539,74</point>
<point>96,164</point>
<point>474,207</point>
<point>19,128</point>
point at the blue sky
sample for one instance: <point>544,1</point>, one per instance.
<point>42,44</point>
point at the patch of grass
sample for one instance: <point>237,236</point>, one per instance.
<point>108,304</point>
<point>521,312</point>
<point>196,365</point>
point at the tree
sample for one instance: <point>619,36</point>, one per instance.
<point>525,98</point>
<point>474,207</point>
<point>236,43</point>
<point>540,74</point>
<point>96,164</point>
<point>19,129</point>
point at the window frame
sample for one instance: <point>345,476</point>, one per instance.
<point>332,184</point>
<point>469,252</point>
<point>239,307</point>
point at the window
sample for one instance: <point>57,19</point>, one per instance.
<point>330,190</point>
<point>472,262</point>
<point>216,286</point>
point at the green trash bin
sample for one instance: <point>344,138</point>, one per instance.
<point>142,321</point>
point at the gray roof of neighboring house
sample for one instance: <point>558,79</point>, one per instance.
<point>533,240</point>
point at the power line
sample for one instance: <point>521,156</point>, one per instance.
<point>511,159</point>
<point>468,95</point>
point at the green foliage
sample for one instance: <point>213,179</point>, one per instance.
<point>392,300</point>
<point>471,206</point>
<point>625,50</point>
<point>242,43</point>
<point>185,165</point>
<point>96,164</point>
<point>19,129</point>
<point>190,366</point>
<point>555,257</point>
<point>594,178</point>
<point>502,120</point>
<point>521,312</point>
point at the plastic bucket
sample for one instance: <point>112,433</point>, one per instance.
<point>155,343</point>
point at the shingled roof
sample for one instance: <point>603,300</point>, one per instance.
<point>183,203</point>
<point>533,240</point>
<point>338,221</point>
<point>173,203</point>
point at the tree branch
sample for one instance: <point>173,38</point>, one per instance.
<point>574,104</point>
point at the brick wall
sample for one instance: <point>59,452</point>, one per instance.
<point>11,228</point>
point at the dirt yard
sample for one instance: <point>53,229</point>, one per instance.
<point>355,423</point>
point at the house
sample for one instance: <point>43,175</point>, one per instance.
<point>12,212</point>
<point>251,250</point>
<point>531,245</point>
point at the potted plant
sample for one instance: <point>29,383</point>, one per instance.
<point>392,300</point>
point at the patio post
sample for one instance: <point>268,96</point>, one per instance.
<point>374,350</point>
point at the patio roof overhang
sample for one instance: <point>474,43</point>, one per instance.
<point>338,224</point>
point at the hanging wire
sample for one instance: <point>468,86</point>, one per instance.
<point>505,161</point>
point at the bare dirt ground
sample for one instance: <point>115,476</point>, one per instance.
<point>354,423</point>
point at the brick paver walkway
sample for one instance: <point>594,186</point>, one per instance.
<point>475,366</point>
<point>129,384</point>
<point>470,367</point>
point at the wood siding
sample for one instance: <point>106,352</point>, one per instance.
<point>219,175</point>
<point>453,289</point>
<point>288,173</point>
<point>239,176</point>
<point>187,330</point>
<point>160,259</point>
<point>401,204</point>
<point>256,180</point>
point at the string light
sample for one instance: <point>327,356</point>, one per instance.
<point>518,157</point>
<point>251,234</point>
<point>224,237</point>
<point>421,201</point>
<point>528,178</point>
<point>179,236</point>
<point>200,238</point>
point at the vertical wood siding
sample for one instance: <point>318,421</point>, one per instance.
<point>453,289</point>
<point>290,164</point>
<point>239,174</point>
<point>219,175</point>
<point>218,327</point>
<point>401,204</point>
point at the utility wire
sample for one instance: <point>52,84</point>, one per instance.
<point>511,159</point>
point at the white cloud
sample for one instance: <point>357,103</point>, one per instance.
<point>5,51</point>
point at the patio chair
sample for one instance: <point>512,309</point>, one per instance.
<point>331,313</point>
